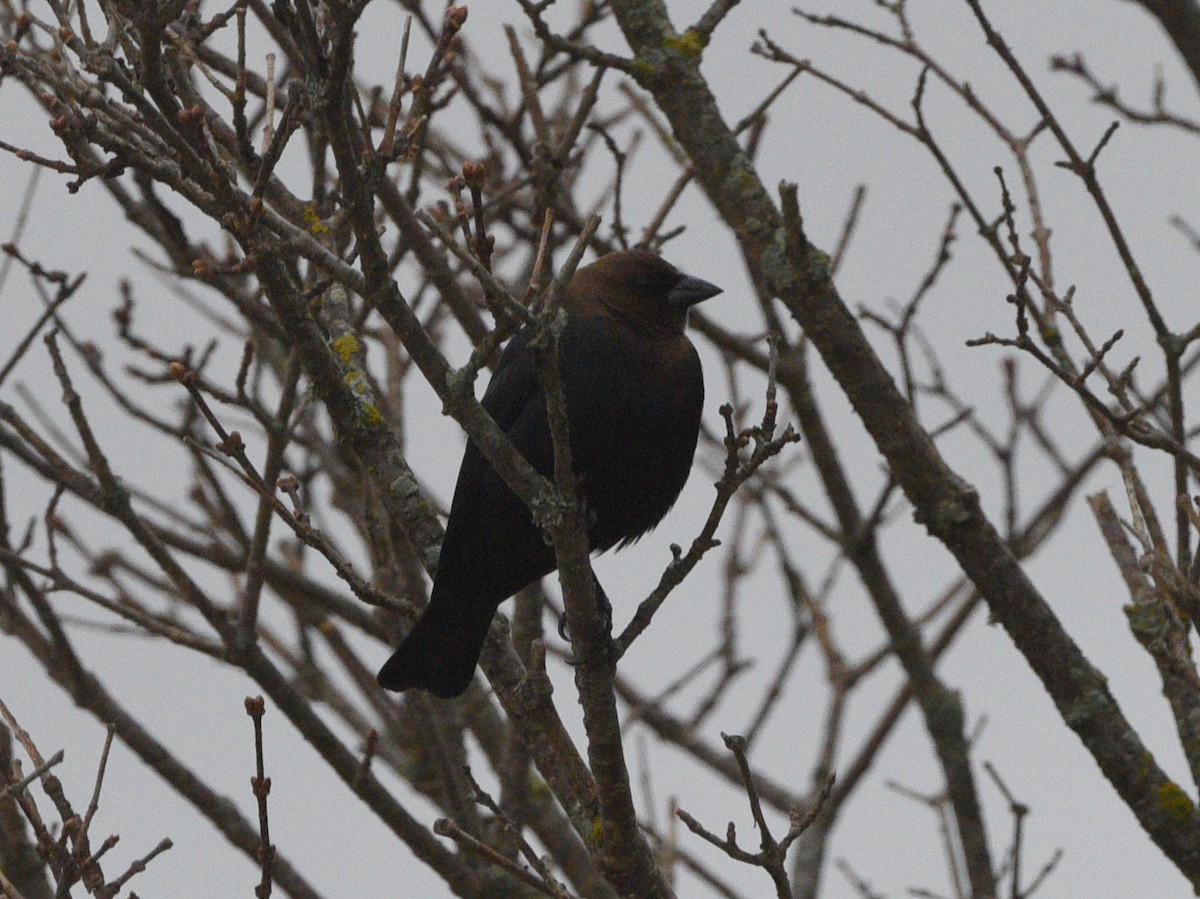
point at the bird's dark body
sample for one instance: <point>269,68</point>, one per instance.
<point>634,393</point>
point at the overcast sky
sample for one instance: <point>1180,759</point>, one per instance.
<point>828,145</point>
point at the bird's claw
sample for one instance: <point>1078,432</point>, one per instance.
<point>610,651</point>
<point>605,611</point>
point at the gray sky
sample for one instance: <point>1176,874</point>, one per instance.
<point>828,145</point>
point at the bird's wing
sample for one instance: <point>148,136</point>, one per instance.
<point>492,547</point>
<point>514,398</point>
<point>514,385</point>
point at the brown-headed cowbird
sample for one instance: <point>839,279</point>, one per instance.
<point>633,390</point>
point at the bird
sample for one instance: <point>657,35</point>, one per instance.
<point>634,392</point>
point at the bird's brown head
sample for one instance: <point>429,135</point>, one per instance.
<point>641,289</point>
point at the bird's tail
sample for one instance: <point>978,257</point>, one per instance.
<point>440,653</point>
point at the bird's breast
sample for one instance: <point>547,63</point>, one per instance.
<point>633,406</point>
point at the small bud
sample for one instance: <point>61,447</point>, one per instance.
<point>91,352</point>
<point>232,445</point>
<point>474,173</point>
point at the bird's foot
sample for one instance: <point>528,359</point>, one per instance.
<point>605,611</point>
<point>603,608</point>
<point>608,649</point>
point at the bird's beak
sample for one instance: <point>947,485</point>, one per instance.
<point>689,291</point>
